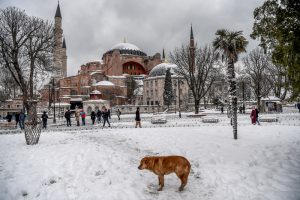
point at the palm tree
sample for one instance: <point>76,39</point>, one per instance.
<point>231,44</point>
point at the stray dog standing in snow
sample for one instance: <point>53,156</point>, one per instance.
<point>163,165</point>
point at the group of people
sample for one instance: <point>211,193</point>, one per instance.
<point>19,118</point>
<point>100,115</point>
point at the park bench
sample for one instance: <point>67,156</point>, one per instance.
<point>158,120</point>
<point>268,119</point>
<point>210,120</point>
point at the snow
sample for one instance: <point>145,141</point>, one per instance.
<point>125,46</point>
<point>95,92</point>
<point>104,83</point>
<point>264,163</point>
<point>160,69</point>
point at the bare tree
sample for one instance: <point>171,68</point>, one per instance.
<point>256,67</point>
<point>279,81</point>
<point>26,46</point>
<point>199,75</point>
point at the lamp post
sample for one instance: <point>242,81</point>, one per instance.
<point>148,102</point>
<point>53,89</point>
<point>59,104</point>
<point>179,109</point>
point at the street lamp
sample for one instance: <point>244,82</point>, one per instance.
<point>178,88</point>
<point>148,102</point>
<point>53,89</point>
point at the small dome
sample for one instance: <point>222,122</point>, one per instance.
<point>104,83</point>
<point>160,69</point>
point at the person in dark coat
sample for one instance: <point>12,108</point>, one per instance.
<point>222,109</point>
<point>253,116</point>
<point>17,118</point>
<point>8,117</point>
<point>256,112</point>
<point>118,112</point>
<point>109,114</point>
<point>105,115</point>
<point>68,117</point>
<point>298,106</point>
<point>22,119</point>
<point>137,118</point>
<point>99,116</point>
<point>44,119</point>
<point>93,117</point>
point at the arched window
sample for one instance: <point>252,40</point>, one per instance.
<point>96,108</point>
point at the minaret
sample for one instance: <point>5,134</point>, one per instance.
<point>64,58</point>
<point>192,50</point>
<point>163,56</point>
<point>59,52</point>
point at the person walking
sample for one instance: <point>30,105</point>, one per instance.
<point>93,117</point>
<point>17,118</point>
<point>118,112</point>
<point>99,116</point>
<point>68,117</point>
<point>298,106</point>
<point>256,112</point>
<point>83,115</point>
<point>22,119</point>
<point>44,119</point>
<point>109,114</point>
<point>77,116</point>
<point>253,116</point>
<point>222,109</point>
<point>137,118</point>
<point>105,115</point>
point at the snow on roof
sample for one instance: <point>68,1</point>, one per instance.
<point>125,46</point>
<point>96,101</point>
<point>95,92</point>
<point>86,86</point>
<point>139,82</point>
<point>96,72</point>
<point>161,69</point>
<point>271,98</point>
<point>121,77</point>
<point>138,91</point>
<point>76,99</point>
<point>104,83</point>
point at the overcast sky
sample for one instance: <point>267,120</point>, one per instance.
<point>92,27</point>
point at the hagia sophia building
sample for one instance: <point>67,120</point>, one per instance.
<point>124,77</point>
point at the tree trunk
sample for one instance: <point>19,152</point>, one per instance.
<point>233,97</point>
<point>197,102</point>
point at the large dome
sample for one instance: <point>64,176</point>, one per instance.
<point>160,69</point>
<point>127,48</point>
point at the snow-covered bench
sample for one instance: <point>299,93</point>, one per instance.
<point>268,119</point>
<point>158,120</point>
<point>210,120</point>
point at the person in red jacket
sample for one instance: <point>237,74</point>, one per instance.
<point>253,116</point>
<point>83,115</point>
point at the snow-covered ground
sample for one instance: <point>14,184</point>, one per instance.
<point>264,163</point>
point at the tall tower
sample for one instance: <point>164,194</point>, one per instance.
<point>192,50</point>
<point>59,54</point>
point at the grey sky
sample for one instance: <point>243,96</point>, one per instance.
<point>92,27</point>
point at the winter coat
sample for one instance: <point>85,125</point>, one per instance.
<point>256,112</point>
<point>44,117</point>
<point>99,113</point>
<point>137,116</point>
<point>22,117</point>
<point>93,115</point>
<point>68,114</point>
<point>253,116</point>
<point>17,116</point>
<point>77,115</point>
<point>105,114</point>
<point>83,115</point>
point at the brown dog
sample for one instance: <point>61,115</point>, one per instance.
<point>163,165</point>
